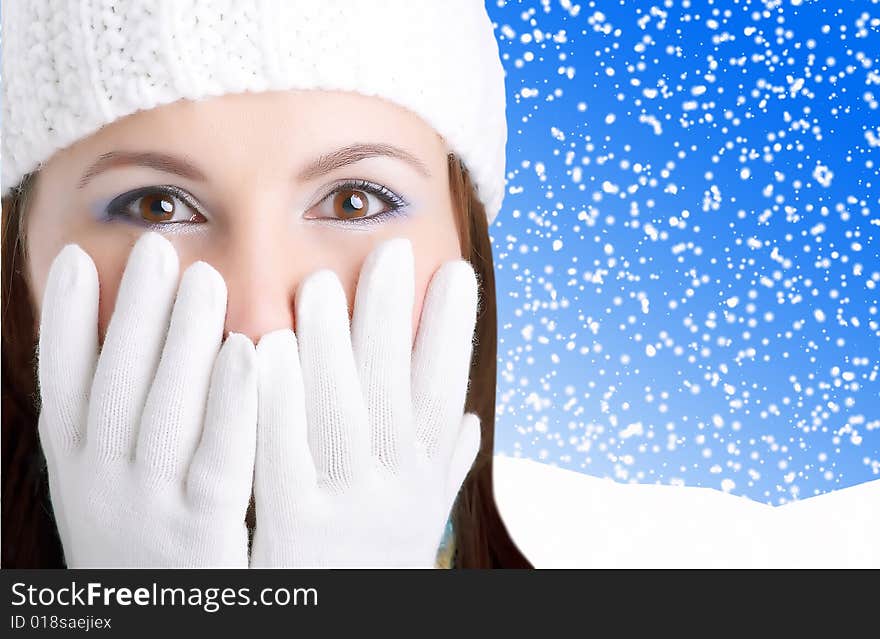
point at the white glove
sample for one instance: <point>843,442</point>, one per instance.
<point>362,444</point>
<point>150,461</point>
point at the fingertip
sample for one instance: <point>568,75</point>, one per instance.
<point>240,341</point>
<point>158,251</point>
<point>396,252</point>
<point>72,253</point>
<point>460,275</point>
<point>151,240</point>
<point>389,269</point>
<point>72,267</point>
<point>280,339</point>
<point>70,298</point>
<point>401,245</point>
<point>274,351</point>
<point>239,350</point>
<point>320,291</point>
<point>205,283</point>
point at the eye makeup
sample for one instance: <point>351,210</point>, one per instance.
<point>396,205</point>
<point>156,203</point>
<point>158,207</point>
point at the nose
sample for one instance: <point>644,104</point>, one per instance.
<point>261,283</point>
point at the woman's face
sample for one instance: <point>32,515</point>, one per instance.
<point>261,191</point>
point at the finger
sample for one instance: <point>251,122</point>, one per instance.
<point>284,467</point>
<point>222,470</point>
<point>335,409</point>
<point>68,347</point>
<point>467,445</point>
<point>442,354</point>
<point>175,409</point>
<point>132,346</point>
<point>381,337</point>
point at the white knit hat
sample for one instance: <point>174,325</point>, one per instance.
<point>71,66</point>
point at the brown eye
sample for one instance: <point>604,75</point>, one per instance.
<point>359,202</point>
<point>157,207</point>
<point>350,203</point>
<point>161,205</point>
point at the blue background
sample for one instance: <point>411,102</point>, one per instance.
<point>687,254</point>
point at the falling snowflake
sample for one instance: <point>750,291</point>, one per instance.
<point>687,258</point>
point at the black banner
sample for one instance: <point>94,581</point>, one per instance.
<point>452,602</point>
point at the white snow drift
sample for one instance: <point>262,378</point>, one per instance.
<point>565,519</point>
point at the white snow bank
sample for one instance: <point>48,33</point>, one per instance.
<point>565,519</point>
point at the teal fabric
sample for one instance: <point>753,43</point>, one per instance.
<point>447,542</point>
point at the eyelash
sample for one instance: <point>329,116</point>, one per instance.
<point>117,207</point>
<point>387,196</point>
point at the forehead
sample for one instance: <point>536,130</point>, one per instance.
<point>263,127</point>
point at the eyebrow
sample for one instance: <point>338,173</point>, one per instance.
<point>355,153</point>
<point>320,166</point>
<point>158,161</point>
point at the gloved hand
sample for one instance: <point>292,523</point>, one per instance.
<point>150,460</point>
<point>362,444</point>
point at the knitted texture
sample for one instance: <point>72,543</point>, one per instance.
<point>362,439</point>
<point>70,67</point>
<point>150,444</point>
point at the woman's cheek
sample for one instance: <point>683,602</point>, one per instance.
<point>111,265</point>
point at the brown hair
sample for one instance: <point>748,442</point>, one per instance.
<point>29,534</point>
